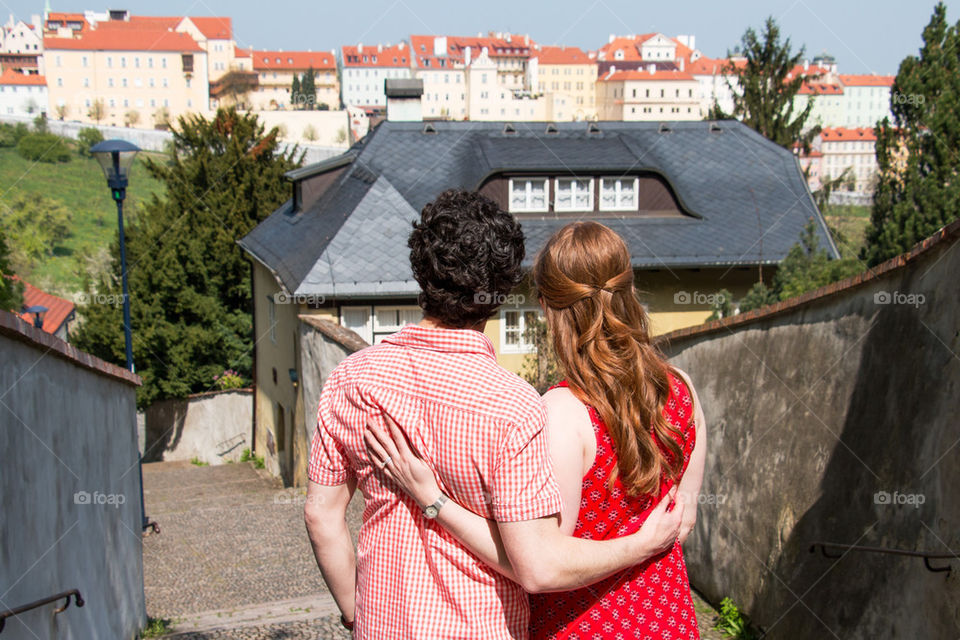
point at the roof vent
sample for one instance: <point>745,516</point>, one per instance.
<point>509,129</point>
<point>715,127</point>
<point>429,128</point>
<point>664,128</point>
<point>593,127</point>
<point>552,128</point>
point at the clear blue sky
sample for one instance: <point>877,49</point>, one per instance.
<point>863,36</point>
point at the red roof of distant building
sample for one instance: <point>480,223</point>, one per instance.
<point>620,76</point>
<point>820,89</point>
<point>508,45</point>
<point>61,16</point>
<point>866,80</point>
<point>214,27</point>
<point>293,60</point>
<point>396,56</point>
<point>563,55</point>
<point>163,23</point>
<point>101,39</point>
<point>713,66</point>
<point>842,134</point>
<point>12,76</point>
<point>630,45</point>
<point>58,309</point>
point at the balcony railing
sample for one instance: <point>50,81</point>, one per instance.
<point>74,593</point>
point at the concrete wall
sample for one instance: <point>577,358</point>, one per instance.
<point>210,427</point>
<point>69,489</point>
<point>833,417</point>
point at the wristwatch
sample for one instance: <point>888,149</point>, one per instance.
<point>431,511</point>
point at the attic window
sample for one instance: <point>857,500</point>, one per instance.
<point>289,60</point>
<point>509,129</point>
<point>593,127</point>
<point>715,127</point>
<point>429,128</point>
<point>664,128</point>
<point>552,128</point>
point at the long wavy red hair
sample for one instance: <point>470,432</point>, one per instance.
<point>601,336</point>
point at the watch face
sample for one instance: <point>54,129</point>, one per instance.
<point>431,512</point>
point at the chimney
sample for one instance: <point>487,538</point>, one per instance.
<point>404,99</point>
<point>612,38</point>
<point>466,57</point>
<point>806,65</point>
<point>400,45</point>
<point>652,68</point>
<point>682,61</point>
<point>379,48</point>
<point>360,48</point>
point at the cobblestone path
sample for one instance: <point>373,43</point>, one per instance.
<point>232,560</point>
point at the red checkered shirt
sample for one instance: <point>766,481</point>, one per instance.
<point>481,429</point>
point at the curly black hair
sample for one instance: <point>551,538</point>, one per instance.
<point>465,253</point>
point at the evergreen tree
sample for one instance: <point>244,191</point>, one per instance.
<point>917,189</point>
<point>308,87</point>
<point>190,288</point>
<point>11,291</point>
<point>763,97</point>
<point>295,99</point>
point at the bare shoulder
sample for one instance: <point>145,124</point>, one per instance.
<point>565,413</point>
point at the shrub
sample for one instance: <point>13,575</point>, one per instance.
<point>86,138</point>
<point>229,379</point>
<point>44,147</point>
<point>11,134</point>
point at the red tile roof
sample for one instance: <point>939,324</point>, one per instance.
<point>713,66</point>
<point>164,23</point>
<point>214,27</point>
<point>841,134</point>
<point>820,89</point>
<point>562,55</point>
<point>12,76</point>
<point>635,75</point>
<point>61,16</point>
<point>630,45</point>
<point>101,39</point>
<point>866,80</point>
<point>58,309</point>
<point>507,46</point>
<point>395,56</point>
<point>264,60</point>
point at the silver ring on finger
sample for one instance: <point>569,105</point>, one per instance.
<point>384,463</point>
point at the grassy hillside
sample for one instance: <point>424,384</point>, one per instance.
<point>80,185</point>
<point>851,222</point>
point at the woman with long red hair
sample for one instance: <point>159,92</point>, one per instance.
<point>625,429</point>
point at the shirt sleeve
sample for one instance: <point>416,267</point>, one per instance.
<point>328,464</point>
<point>523,486</point>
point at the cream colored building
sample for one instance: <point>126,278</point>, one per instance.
<point>568,74</point>
<point>444,78</point>
<point>648,94</point>
<point>133,84</point>
<point>275,72</point>
<point>489,99</point>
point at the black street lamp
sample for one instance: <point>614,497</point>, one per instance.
<point>116,158</point>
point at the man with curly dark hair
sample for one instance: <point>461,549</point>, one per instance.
<point>481,430</point>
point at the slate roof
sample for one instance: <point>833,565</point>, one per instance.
<point>745,197</point>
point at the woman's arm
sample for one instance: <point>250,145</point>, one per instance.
<point>405,468</point>
<point>689,487</point>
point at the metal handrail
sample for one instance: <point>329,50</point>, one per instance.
<point>926,555</point>
<point>39,603</point>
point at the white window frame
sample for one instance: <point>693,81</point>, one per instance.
<point>617,189</point>
<point>383,330</point>
<point>367,331</point>
<point>527,208</point>
<point>522,346</point>
<point>573,194</point>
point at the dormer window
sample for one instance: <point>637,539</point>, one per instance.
<point>618,194</point>
<point>573,194</point>
<point>528,195</point>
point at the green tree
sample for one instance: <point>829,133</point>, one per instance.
<point>308,89</point>
<point>759,295</point>
<point>723,306</point>
<point>764,92</point>
<point>11,291</point>
<point>35,226</point>
<point>86,138</point>
<point>917,189</point>
<point>190,286</point>
<point>295,92</point>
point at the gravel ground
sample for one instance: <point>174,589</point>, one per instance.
<point>230,537</point>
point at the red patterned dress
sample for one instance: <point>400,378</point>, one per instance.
<point>650,601</point>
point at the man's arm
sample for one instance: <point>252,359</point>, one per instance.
<point>544,559</point>
<point>325,516</point>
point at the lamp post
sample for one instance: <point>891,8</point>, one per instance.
<point>116,158</point>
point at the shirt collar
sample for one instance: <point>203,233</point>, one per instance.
<point>443,340</point>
